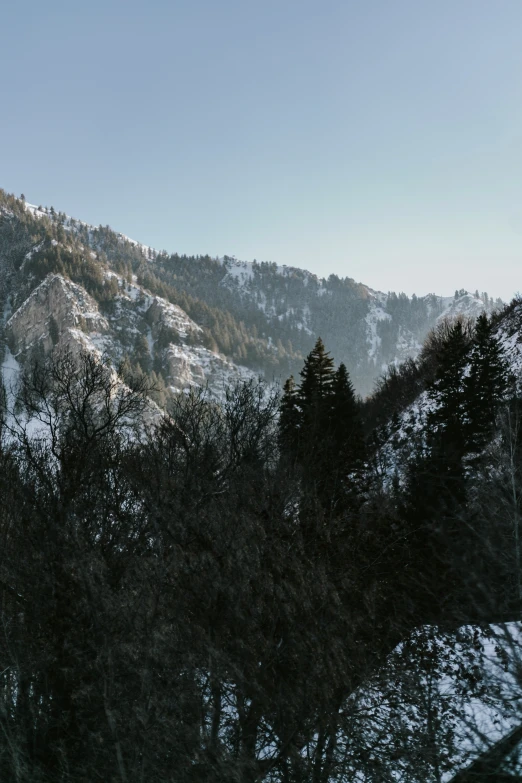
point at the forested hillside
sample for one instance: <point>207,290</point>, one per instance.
<point>206,576</point>
<point>255,315</point>
<point>301,588</point>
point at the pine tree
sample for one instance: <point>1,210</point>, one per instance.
<point>54,330</point>
<point>486,383</point>
<point>315,400</point>
<point>316,386</point>
<point>142,353</point>
<point>437,482</point>
<point>320,428</point>
<point>345,425</point>
<point>345,444</point>
<point>290,419</point>
<point>447,391</point>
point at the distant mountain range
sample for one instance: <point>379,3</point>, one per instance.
<point>199,320</point>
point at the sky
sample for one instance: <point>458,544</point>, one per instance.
<point>371,139</point>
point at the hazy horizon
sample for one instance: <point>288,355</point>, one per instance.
<point>373,142</point>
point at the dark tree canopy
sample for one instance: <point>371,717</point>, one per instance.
<point>320,425</point>
<point>243,590</point>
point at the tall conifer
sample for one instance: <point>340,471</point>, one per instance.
<point>486,383</point>
<point>317,376</point>
<point>447,395</point>
<point>320,425</point>
<point>346,426</point>
<point>315,395</point>
<point>290,419</point>
<point>437,481</point>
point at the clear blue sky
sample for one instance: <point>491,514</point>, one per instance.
<point>379,139</point>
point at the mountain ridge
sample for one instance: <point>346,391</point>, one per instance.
<point>257,316</point>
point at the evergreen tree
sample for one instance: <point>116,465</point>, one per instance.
<point>54,330</point>
<point>142,353</point>
<point>316,387</point>
<point>345,440</point>
<point>290,419</point>
<point>448,395</point>
<point>320,426</point>
<point>315,399</point>
<point>436,484</point>
<point>486,383</point>
<point>346,427</point>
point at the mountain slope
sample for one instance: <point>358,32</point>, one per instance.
<point>238,314</point>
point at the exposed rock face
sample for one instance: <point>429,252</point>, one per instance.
<point>161,311</point>
<point>162,315</point>
<point>182,370</point>
<point>47,317</point>
<point>62,314</point>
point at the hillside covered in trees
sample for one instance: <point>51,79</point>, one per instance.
<point>294,588</point>
<point>255,315</point>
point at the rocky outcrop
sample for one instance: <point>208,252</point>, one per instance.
<point>162,314</point>
<point>62,314</point>
<point>182,370</point>
<point>47,317</point>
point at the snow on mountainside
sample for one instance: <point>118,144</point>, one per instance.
<point>61,312</point>
<point>409,342</point>
<point>288,294</point>
<point>245,319</point>
<point>482,719</point>
<point>411,423</point>
<point>78,287</point>
<point>125,322</point>
<point>72,224</point>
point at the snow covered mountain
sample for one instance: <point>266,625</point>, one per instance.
<point>366,329</point>
<point>410,425</point>
<point>119,318</point>
<point>194,321</point>
<point>201,322</point>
